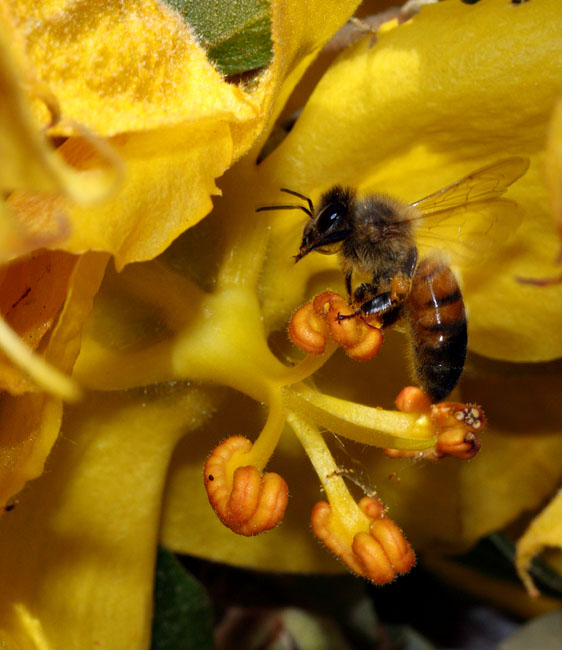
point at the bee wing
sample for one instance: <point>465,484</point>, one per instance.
<point>467,233</point>
<point>468,219</point>
<point>484,184</point>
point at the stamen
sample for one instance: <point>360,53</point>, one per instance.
<point>309,331</point>
<point>455,424</point>
<point>244,500</point>
<point>361,340</point>
<point>361,535</point>
<point>371,426</point>
<point>329,316</point>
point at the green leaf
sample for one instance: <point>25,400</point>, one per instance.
<point>183,615</point>
<point>235,33</point>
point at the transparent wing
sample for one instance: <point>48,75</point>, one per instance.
<point>468,219</point>
<point>470,232</point>
<point>482,185</point>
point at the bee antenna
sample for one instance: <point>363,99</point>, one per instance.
<point>285,207</point>
<point>300,196</point>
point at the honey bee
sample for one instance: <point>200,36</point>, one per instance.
<point>389,254</point>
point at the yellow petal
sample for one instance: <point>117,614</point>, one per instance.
<point>88,528</point>
<point>30,423</point>
<point>33,291</point>
<point>544,531</point>
<point>428,108</point>
<point>170,177</point>
<point>118,69</point>
<point>553,164</point>
<point>29,162</point>
<point>117,72</point>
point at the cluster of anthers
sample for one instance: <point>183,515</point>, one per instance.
<point>249,501</point>
<point>328,316</point>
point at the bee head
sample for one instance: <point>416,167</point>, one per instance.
<point>329,225</point>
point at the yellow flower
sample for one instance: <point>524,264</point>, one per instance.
<point>194,341</point>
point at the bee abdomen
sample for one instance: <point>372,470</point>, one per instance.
<point>437,323</point>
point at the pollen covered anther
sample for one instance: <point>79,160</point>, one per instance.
<point>377,551</point>
<point>244,500</point>
<point>329,315</point>
<point>456,426</point>
<point>308,330</point>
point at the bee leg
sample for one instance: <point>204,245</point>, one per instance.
<point>378,305</point>
<point>348,284</point>
<point>400,287</point>
<point>358,297</point>
<point>362,290</point>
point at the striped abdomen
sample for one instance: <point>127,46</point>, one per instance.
<point>437,322</point>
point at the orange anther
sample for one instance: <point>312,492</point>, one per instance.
<point>452,414</point>
<point>322,302</point>
<point>457,442</point>
<point>369,344</point>
<point>331,315</point>
<point>378,554</point>
<point>373,508</point>
<point>456,425</point>
<point>308,330</point>
<point>413,400</point>
<point>321,521</point>
<point>244,500</point>
<point>361,340</point>
<point>376,564</point>
<point>394,544</point>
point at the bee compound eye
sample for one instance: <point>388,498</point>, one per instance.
<point>330,216</point>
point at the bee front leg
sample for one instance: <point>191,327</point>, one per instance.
<point>357,297</point>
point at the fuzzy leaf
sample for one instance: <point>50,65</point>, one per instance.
<point>236,35</point>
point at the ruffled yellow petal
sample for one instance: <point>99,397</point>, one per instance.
<point>553,164</point>
<point>170,177</point>
<point>29,162</point>
<point>117,71</point>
